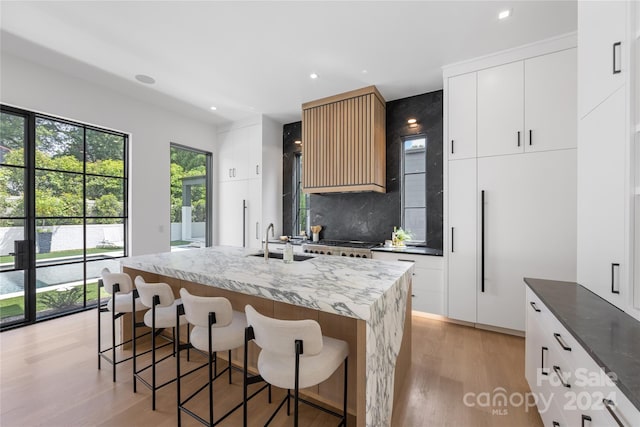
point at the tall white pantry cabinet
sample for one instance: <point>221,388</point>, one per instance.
<point>511,178</point>
<point>608,40</point>
<point>249,161</point>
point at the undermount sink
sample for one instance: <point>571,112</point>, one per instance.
<point>279,255</point>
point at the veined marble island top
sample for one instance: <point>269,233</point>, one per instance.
<point>372,296</point>
<point>345,286</point>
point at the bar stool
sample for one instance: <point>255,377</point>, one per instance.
<point>216,327</point>
<point>295,355</point>
<point>162,314</point>
<point>124,299</point>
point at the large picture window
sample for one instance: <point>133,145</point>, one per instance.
<point>414,185</point>
<point>64,191</point>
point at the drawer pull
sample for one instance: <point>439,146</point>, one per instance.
<point>561,342</point>
<point>533,304</point>
<point>585,418</point>
<point>542,371</point>
<point>558,372</point>
<point>405,260</point>
<point>608,403</point>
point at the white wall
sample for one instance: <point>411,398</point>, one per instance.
<point>31,86</point>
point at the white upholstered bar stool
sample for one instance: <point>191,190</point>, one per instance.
<point>158,297</point>
<point>124,299</point>
<point>295,355</point>
<point>216,327</point>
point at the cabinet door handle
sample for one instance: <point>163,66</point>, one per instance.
<point>558,338</point>
<point>530,137</point>
<point>257,169</point>
<point>482,238</point>
<point>533,304</point>
<point>585,418</point>
<point>244,223</point>
<point>229,172</point>
<point>558,372</point>
<point>234,172</point>
<point>452,146</point>
<point>608,403</point>
<point>613,278</point>
<point>257,230</point>
<point>405,260</point>
<point>518,138</point>
<point>452,228</point>
<point>616,45</point>
<point>542,368</point>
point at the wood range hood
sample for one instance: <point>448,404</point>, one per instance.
<point>344,143</point>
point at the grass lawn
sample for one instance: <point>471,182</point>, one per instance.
<point>11,307</point>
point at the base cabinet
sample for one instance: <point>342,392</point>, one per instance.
<point>569,386</point>
<point>428,285</point>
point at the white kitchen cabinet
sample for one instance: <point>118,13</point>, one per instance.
<point>462,255</point>
<point>601,200</point>
<point>529,229</point>
<point>501,110</point>
<point>550,345</point>
<point>527,106</point>
<point>244,149</point>
<point>607,77</point>
<point>462,116</point>
<point>225,156</point>
<point>550,103</point>
<point>427,283</point>
<point>231,212</point>
<point>601,25</point>
<point>525,166</point>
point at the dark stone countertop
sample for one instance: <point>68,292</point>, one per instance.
<point>414,250</point>
<point>609,335</point>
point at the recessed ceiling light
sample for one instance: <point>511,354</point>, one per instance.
<point>412,121</point>
<point>313,76</point>
<point>364,71</point>
<point>212,108</point>
<point>297,142</point>
<point>143,78</point>
<point>504,14</point>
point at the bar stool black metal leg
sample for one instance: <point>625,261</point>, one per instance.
<point>344,403</point>
<point>229,367</point>
<point>113,335</point>
<point>153,354</point>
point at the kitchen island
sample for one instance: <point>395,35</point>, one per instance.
<point>364,302</point>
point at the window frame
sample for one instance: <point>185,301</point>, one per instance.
<point>404,174</point>
<point>297,194</point>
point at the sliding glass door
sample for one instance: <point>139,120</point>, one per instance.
<point>190,198</point>
<point>65,193</point>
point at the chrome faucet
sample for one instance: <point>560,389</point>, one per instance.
<point>266,241</point>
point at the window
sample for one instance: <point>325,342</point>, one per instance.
<point>190,198</point>
<point>64,188</point>
<point>300,201</point>
<point>414,184</point>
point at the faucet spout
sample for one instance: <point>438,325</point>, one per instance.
<point>266,241</point>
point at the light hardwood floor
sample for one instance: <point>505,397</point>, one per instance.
<point>49,377</point>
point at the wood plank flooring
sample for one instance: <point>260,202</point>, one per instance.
<point>49,377</point>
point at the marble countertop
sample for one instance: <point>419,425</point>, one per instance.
<point>609,335</point>
<point>344,286</point>
<point>416,250</point>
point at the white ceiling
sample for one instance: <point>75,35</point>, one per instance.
<point>256,57</point>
